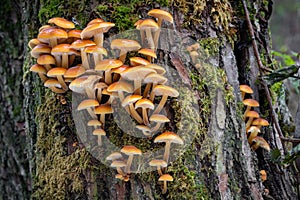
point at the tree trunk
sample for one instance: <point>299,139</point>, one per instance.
<point>48,159</point>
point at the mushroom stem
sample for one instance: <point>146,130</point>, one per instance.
<point>157,33</point>
<point>99,140</point>
<point>145,116</point>
<point>120,171</point>
<point>164,191</point>
<point>149,38</point>
<point>62,83</point>
<point>98,39</point>
<point>167,151</point>
<point>121,96</point>
<point>123,55</point>
<point>156,127</point>
<point>250,120</point>
<point>128,165</point>
<point>243,95</point>
<point>134,114</point>
<point>152,95</point>
<point>91,112</point>
<point>84,58</point>
<point>102,119</point>
<point>159,171</point>
<point>65,60</point>
<point>161,104</point>
<point>99,95</point>
<point>90,92</point>
<point>57,90</point>
<point>247,110</point>
<point>96,58</point>
<point>52,42</point>
<point>58,60</point>
<point>48,67</point>
<point>137,86</point>
<point>147,88</point>
<point>43,77</point>
<point>107,76</point>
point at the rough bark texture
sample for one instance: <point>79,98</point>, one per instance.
<point>47,160</point>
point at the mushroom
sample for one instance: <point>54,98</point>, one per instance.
<point>160,15</point>
<point>160,70</point>
<point>165,92</point>
<point>158,164</point>
<point>117,71</point>
<point>96,30</point>
<point>54,85</point>
<point>194,55</point>
<point>33,42</point>
<point>144,104</point>
<point>168,138</point>
<point>88,85</point>
<point>40,70</point>
<point>89,104</point>
<point>114,156</point>
<point>145,129</point>
<point>128,101</point>
<point>260,122</point>
<point>97,53</point>
<point>259,142</point>
<point>94,21</point>
<point>165,178</point>
<point>64,51</point>
<point>130,151</point>
<point>73,35</point>
<point>251,114</point>
<point>80,45</point>
<point>149,53</point>
<point>120,87</point>
<point>39,50</point>
<point>119,164</point>
<point>137,74</point>
<point>136,61</point>
<point>159,119</point>
<point>98,87</point>
<point>61,22</point>
<point>153,79</point>
<point>46,60</point>
<point>99,132</point>
<point>252,132</point>
<point>94,123</point>
<point>74,72</point>
<point>112,96</point>
<point>51,35</point>
<point>249,103</point>
<point>106,65</point>
<point>58,73</point>
<point>102,110</point>
<point>149,25</point>
<point>263,175</point>
<point>137,26</point>
<point>245,89</point>
<point>124,45</point>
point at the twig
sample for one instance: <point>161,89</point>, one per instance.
<point>293,140</point>
<point>261,67</point>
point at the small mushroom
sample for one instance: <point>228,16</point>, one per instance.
<point>96,52</point>
<point>153,79</point>
<point>40,70</point>
<point>80,45</point>
<point>159,119</point>
<point>249,103</point>
<point>149,26</point>
<point>149,53</point>
<point>33,42</point>
<point>145,104</point>
<point>94,21</point>
<point>158,164</point>
<point>136,61</point>
<point>73,35</point>
<point>251,115</point>
<point>51,35</point>
<point>94,123</point>
<point>145,129</point>
<point>98,87</point>
<point>129,101</point>
<point>260,122</point>
<point>61,22</point>
<point>99,133</point>
<point>124,45</point>
<point>130,151</point>
<point>58,73</point>
<point>263,175</point>
<point>245,89</point>
<point>165,178</point>
<point>159,69</point>
<point>102,110</point>
<point>259,142</point>
<point>107,65</point>
<point>47,61</point>
<point>120,87</point>
<point>252,132</point>
<point>89,105</point>
<point>39,50</point>
<point>114,156</point>
<point>168,138</point>
<point>64,51</point>
<point>119,164</point>
<point>54,85</point>
<point>74,72</point>
<point>165,92</point>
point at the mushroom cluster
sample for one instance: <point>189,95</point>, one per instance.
<point>73,59</point>
<point>253,121</point>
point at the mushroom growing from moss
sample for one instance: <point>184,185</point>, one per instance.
<point>158,164</point>
<point>165,178</point>
<point>168,138</point>
<point>61,22</point>
<point>165,92</point>
<point>114,156</point>
<point>145,129</point>
<point>130,151</point>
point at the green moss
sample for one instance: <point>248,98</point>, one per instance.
<point>210,47</point>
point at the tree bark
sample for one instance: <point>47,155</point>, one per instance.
<point>48,159</point>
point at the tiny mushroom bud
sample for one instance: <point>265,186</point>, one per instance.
<point>102,110</point>
<point>89,105</point>
<point>249,103</point>
<point>168,138</point>
<point>245,89</point>
<point>259,142</point>
<point>130,151</point>
<point>58,73</point>
<point>124,45</point>
<point>99,133</point>
<point>159,164</point>
<point>159,119</point>
<point>251,115</point>
<point>129,101</point>
<point>40,70</point>
<point>145,104</point>
<point>119,164</point>
<point>260,122</point>
<point>165,92</point>
<point>165,178</point>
